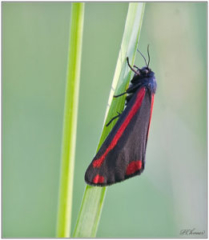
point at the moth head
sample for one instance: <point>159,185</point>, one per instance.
<point>145,71</point>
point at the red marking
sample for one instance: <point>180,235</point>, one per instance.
<point>152,103</point>
<point>133,167</point>
<point>140,96</point>
<point>98,179</point>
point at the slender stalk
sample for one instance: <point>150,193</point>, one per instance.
<point>93,199</point>
<point>70,121</point>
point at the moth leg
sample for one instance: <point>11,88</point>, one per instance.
<point>137,73</point>
<point>128,98</point>
<point>133,87</point>
<point>113,119</point>
<point>136,68</point>
<point>129,90</point>
<point>115,96</point>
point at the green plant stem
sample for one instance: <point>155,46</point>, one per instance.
<point>93,199</point>
<point>70,121</point>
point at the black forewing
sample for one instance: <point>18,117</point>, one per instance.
<point>130,147</point>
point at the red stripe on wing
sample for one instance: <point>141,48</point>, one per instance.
<point>140,96</point>
<point>152,103</point>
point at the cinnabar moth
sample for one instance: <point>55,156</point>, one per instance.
<point>122,155</point>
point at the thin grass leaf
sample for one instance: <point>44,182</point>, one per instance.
<point>70,121</point>
<point>93,198</point>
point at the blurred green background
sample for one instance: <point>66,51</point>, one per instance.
<point>171,194</point>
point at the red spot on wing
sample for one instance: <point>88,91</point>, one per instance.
<point>98,179</point>
<point>140,96</point>
<point>133,167</point>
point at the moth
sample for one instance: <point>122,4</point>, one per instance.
<point>122,155</point>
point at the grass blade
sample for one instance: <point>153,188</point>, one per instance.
<point>93,199</point>
<point>70,120</point>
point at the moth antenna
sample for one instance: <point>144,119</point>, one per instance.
<point>143,57</point>
<point>148,55</point>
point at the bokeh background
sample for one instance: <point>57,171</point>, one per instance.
<point>171,194</point>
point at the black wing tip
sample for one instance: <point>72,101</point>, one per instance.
<point>106,184</point>
<point>89,179</point>
<point>91,183</point>
<point>95,185</point>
